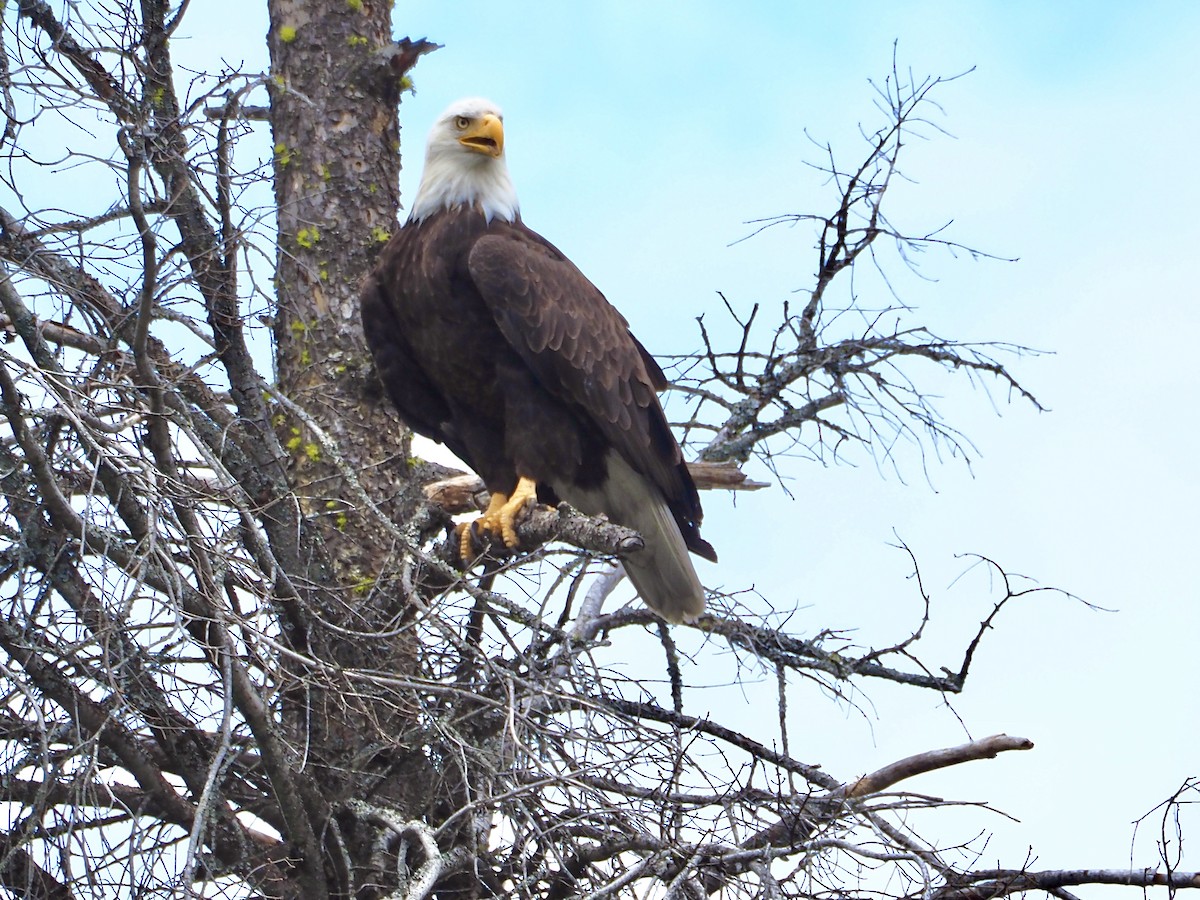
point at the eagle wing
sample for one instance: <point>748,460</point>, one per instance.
<point>420,403</point>
<point>581,350</point>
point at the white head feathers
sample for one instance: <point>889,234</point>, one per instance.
<point>464,164</point>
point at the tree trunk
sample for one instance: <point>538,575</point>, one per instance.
<point>336,154</point>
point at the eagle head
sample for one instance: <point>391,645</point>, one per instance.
<point>465,165</point>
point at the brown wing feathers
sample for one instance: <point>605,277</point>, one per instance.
<point>581,349</point>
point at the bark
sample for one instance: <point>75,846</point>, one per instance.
<point>337,165</point>
<point>335,84</point>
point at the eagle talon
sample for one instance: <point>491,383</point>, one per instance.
<point>523,494</point>
<point>498,520</point>
<point>465,533</point>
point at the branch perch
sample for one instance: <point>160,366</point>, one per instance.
<point>467,493</point>
<point>543,524</point>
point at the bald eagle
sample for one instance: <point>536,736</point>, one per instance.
<point>490,341</point>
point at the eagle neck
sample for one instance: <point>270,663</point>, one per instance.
<point>481,183</point>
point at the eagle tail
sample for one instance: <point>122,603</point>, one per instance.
<point>662,571</point>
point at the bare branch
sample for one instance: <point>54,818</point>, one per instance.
<point>984,748</point>
<point>993,883</point>
<point>462,493</point>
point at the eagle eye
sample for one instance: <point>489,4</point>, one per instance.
<point>461,123</point>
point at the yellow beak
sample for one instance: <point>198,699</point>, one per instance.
<point>485,136</point>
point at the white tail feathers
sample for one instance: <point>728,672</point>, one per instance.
<point>662,571</point>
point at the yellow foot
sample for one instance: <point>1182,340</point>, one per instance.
<point>499,519</point>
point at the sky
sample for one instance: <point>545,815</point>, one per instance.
<point>643,137</point>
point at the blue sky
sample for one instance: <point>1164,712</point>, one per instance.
<point>643,136</point>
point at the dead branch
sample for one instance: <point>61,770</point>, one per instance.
<point>464,493</point>
<point>889,775</point>
<point>541,524</point>
<point>990,884</point>
<point>824,375</point>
